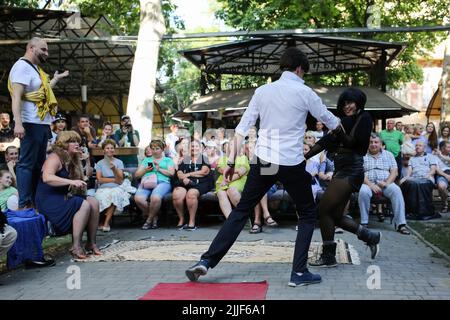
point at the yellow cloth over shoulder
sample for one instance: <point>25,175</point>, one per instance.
<point>44,98</point>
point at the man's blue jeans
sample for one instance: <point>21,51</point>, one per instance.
<point>33,150</point>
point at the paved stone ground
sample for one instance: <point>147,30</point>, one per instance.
<point>407,267</point>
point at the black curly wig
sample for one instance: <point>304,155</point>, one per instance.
<point>351,95</point>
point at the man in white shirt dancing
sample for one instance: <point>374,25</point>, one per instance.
<point>282,107</point>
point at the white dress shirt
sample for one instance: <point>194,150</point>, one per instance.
<point>282,107</point>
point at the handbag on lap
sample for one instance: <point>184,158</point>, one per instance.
<point>149,182</point>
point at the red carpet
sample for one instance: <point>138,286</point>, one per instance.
<point>208,291</point>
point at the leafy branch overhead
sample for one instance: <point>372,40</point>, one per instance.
<point>292,14</point>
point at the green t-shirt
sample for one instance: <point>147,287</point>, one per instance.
<point>4,195</point>
<point>165,163</point>
<point>393,141</point>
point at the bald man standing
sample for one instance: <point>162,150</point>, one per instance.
<point>33,107</point>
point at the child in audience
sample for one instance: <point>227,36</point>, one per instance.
<point>9,195</point>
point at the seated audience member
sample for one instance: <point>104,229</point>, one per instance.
<point>432,138</point>
<point>9,196</point>
<point>197,135</point>
<point>445,134</point>
<point>417,185</point>
<point>313,167</point>
<point>148,151</point>
<point>127,136</point>
<point>7,137</point>
<point>392,140</point>
<point>326,171</point>
<point>224,147</point>
<point>229,191</point>
<point>107,134</point>
<point>262,211</point>
<point>156,172</point>
<point>8,235</point>
<point>429,137</point>
<point>380,172</point>
<point>407,145</point>
<point>109,177</point>
<point>262,208</point>
<point>310,139</point>
<point>182,148</point>
<point>58,125</point>
<point>11,160</point>
<point>87,135</point>
<point>319,133</point>
<point>399,126</point>
<point>57,195</point>
<point>211,154</point>
<point>6,131</point>
<point>193,180</point>
<point>443,172</point>
<point>419,134</point>
<point>85,131</point>
<point>171,139</point>
<point>405,164</point>
<point>220,137</point>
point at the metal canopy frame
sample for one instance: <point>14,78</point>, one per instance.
<point>83,47</point>
<point>327,54</point>
<point>379,104</point>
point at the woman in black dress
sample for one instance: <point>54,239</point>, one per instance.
<point>347,145</point>
<point>193,180</point>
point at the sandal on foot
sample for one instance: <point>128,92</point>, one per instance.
<point>147,225</point>
<point>403,229</point>
<point>155,225</point>
<point>257,228</point>
<point>78,254</point>
<point>271,223</point>
<point>93,250</point>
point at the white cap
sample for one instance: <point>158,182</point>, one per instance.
<point>211,144</point>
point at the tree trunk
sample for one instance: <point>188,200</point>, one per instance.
<point>143,74</point>
<point>445,108</point>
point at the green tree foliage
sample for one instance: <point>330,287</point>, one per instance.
<point>291,14</point>
<point>21,3</point>
<point>125,15</point>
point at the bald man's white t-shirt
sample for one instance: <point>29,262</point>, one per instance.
<point>23,73</point>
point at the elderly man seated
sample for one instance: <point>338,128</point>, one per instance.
<point>380,171</point>
<point>417,186</point>
<point>443,172</point>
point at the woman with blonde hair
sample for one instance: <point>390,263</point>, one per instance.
<point>110,176</point>
<point>156,172</point>
<point>407,145</point>
<point>193,180</point>
<point>310,139</point>
<point>229,191</point>
<point>59,195</point>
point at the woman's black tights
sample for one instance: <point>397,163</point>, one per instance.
<point>331,209</point>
